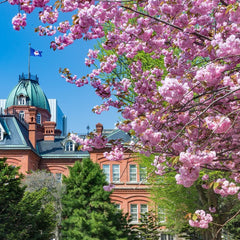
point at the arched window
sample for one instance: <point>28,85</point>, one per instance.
<point>38,118</point>
<point>69,146</point>
<point>21,115</point>
<point>22,100</point>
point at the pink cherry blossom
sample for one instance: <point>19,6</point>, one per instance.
<point>19,21</point>
<point>116,154</point>
<point>219,124</point>
<point>108,188</point>
<point>202,219</point>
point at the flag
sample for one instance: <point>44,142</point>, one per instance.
<point>35,53</point>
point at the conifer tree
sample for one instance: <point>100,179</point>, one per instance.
<point>22,214</point>
<point>87,210</point>
<point>149,226</point>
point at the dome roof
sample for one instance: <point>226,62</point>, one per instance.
<point>29,88</point>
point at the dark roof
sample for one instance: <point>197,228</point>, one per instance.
<point>17,137</point>
<point>116,134</point>
<point>16,134</point>
<point>55,149</point>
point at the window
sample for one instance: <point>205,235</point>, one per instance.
<point>21,100</point>
<point>106,170</point>
<point>161,215</point>
<point>133,173</point>
<point>115,172</point>
<point>118,206</point>
<point>38,118</point>
<point>165,236</point>
<point>143,208</point>
<point>58,177</point>
<point>21,115</point>
<point>143,174</point>
<point>69,146</point>
<point>134,212</point>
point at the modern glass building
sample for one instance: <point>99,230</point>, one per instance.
<point>58,116</point>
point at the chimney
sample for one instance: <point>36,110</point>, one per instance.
<point>49,131</point>
<point>58,132</point>
<point>32,125</point>
<point>99,128</point>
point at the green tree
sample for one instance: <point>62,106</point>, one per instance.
<point>149,226</point>
<point>87,210</point>
<point>179,202</point>
<point>22,214</point>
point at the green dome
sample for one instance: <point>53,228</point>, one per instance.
<point>28,87</point>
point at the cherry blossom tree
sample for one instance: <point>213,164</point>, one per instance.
<point>186,114</point>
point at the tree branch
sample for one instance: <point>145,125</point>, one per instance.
<point>230,219</point>
<point>200,36</point>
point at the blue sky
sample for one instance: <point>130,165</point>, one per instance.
<point>75,102</point>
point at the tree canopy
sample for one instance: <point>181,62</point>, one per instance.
<point>87,210</point>
<point>187,114</point>
<point>23,216</point>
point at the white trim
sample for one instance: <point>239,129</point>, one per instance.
<point>117,173</point>
<point>22,100</point>
<point>106,170</point>
<point>21,115</point>
<point>141,210</point>
<point>133,173</point>
<point>135,220</point>
<point>69,146</point>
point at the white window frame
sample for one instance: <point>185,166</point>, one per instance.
<point>116,173</point>
<point>21,115</point>
<point>134,212</point>
<point>133,174</point>
<point>69,146</point>
<point>39,118</point>
<point>106,170</point>
<point>22,100</point>
<point>143,206</point>
<point>142,174</point>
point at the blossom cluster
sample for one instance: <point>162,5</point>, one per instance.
<point>191,163</point>
<point>219,124</point>
<point>225,188</point>
<point>19,21</point>
<point>200,219</point>
<point>87,144</point>
<point>48,15</point>
<point>116,154</point>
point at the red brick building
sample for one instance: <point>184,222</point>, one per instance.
<point>29,139</point>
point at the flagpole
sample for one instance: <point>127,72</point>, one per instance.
<point>29,61</point>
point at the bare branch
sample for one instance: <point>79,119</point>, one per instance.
<point>223,3</point>
<point>230,219</point>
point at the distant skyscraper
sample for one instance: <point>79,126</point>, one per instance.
<point>2,105</point>
<point>58,116</point>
